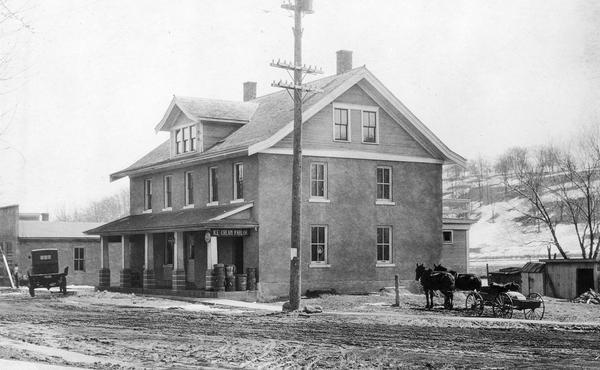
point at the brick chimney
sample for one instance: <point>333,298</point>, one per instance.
<point>249,90</point>
<point>344,61</point>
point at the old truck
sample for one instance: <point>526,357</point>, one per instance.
<point>44,271</point>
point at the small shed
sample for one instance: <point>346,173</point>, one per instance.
<point>568,278</point>
<point>533,278</point>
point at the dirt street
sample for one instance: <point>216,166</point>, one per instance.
<point>122,331</point>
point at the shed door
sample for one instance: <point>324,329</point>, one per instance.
<point>585,280</point>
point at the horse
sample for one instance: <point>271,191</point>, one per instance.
<point>430,280</point>
<point>462,281</point>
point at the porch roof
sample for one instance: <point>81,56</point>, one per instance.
<point>186,219</point>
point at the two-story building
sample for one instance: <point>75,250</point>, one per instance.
<point>219,191</point>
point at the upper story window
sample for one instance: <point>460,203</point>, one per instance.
<point>213,188</point>
<point>384,184</point>
<point>189,188</point>
<point>185,139</point>
<point>318,244</point>
<point>78,259</point>
<point>318,180</point>
<point>168,185</point>
<point>238,181</point>
<point>341,130</point>
<point>369,127</point>
<point>147,194</point>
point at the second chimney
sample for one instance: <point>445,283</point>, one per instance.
<point>344,61</point>
<point>249,90</point>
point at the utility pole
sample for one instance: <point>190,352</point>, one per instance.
<point>299,7</point>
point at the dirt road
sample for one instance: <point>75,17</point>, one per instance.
<point>131,335</point>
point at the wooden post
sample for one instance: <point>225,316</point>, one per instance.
<point>296,233</point>
<point>487,273</point>
<point>397,281</point>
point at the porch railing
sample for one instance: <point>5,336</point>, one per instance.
<point>456,208</point>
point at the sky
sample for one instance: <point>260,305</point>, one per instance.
<point>89,80</point>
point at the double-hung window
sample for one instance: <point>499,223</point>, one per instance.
<point>185,139</point>
<point>78,259</point>
<point>189,188</point>
<point>213,188</point>
<point>384,184</point>
<point>318,180</point>
<point>384,244</point>
<point>369,127</point>
<point>168,188</point>
<point>318,244</point>
<point>238,181</point>
<point>340,125</point>
<point>147,194</point>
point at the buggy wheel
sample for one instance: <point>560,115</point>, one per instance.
<point>31,290</point>
<point>535,313</point>
<point>474,304</point>
<point>503,306</point>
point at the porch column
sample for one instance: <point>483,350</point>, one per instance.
<point>178,268</point>
<point>149,277</point>
<point>125,262</point>
<point>104,273</point>
<point>211,260</point>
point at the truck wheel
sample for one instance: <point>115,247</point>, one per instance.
<point>31,290</point>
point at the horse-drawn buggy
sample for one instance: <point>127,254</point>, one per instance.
<point>44,271</point>
<point>502,298</point>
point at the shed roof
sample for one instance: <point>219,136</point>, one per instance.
<point>56,229</point>
<point>533,267</point>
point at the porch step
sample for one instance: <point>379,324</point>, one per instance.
<point>245,296</point>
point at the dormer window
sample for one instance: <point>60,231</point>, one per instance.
<point>185,139</point>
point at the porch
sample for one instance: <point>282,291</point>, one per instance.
<point>176,251</point>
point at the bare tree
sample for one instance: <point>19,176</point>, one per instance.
<point>103,210</point>
<point>529,181</point>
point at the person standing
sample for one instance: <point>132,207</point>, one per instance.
<point>16,275</point>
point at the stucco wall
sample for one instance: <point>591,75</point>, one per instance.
<point>200,176</point>
<point>65,258</point>
<point>8,234</point>
<point>454,255</point>
<point>352,218</point>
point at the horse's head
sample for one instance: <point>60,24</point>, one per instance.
<point>419,271</point>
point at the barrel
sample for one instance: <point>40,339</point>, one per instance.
<point>240,282</point>
<point>230,284</point>
<point>229,270</point>
<point>219,271</point>
<point>251,278</point>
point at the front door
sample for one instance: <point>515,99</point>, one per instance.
<point>585,280</point>
<point>190,252</point>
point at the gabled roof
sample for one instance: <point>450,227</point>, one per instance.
<point>208,217</point>
<point>197,109</point>
<point>55,229</point>
<point>272,120</point>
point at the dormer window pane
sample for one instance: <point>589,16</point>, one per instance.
<point>193,138</point>
<point>185,139</point>
<point>178,141</point>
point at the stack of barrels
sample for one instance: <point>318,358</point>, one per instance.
<point>227,280</point>
<point>219,277</point>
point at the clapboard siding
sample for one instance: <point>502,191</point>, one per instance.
<point>393,139</point>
